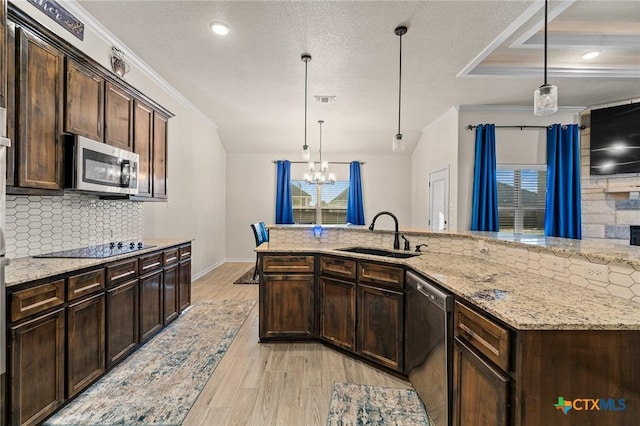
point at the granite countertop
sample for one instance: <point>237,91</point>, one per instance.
<point>523,300</point>
<point>25,269</point>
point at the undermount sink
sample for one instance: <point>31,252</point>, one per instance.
<point>379,252</point>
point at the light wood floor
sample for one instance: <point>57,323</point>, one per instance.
<point>271,383</point>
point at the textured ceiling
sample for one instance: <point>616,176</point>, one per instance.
<point>251,82</point>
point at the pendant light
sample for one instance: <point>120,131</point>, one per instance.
<point>306,152</point>
<point>545,98</point>
<point>398,141</point>
<point>323,175</point>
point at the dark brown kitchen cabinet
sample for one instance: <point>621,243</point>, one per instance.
<point>159,155</point>
<point>150,305</point>
<point>39,82</point>
<point>3,54</point>
<point>170,289</point>
<point>338,312</point>
<point>184,291</point>
<point>380,328</point>
<point>84,101</point>
<point>122,321</point>
<point>118,117</point>
<point>36,370</point>
<point>11,104</point>
<point>480,389</point>
<point>288,306</point>
<point>142,145</point>
<point>85,343</point>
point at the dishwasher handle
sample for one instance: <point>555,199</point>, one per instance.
<point>435,295</point>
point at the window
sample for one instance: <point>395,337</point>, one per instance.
<point>332,208</point>
<point>521,198</point>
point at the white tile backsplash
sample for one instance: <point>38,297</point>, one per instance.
<point>42,224</point>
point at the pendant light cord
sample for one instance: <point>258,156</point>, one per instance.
<point>320,122</point>
<point>545,42</point>
<point>400,85</point>
<point>306,64</point>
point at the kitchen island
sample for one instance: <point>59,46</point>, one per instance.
<point>525,344</point>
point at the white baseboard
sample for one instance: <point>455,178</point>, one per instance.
<point>220,263</point>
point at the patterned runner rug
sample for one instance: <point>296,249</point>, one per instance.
<point>159,383</point>
<point>353,404</point>
<point>247,278</point>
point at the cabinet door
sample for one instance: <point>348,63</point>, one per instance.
<point>3,53</point>
<point>287,306</point>
<point>184,292</point>
<point>122,321</point>
<point>480,391</point>
<point>338,312</point>
<point>37,368</point>
<point>159,156</point>
<point>380,329</point>
<point>170,290</point>
<point>150,305</point>
<point>84,102</point>
<point>40,68</point>
<point>12,114</point>
<point>142,139</point>
<point>85,343</point>
<point>118,115</point>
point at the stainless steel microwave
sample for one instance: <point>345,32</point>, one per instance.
<point>93,166</point>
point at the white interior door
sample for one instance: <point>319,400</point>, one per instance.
<point>439,200</point>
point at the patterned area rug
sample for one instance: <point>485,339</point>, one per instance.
<point>159,383</point>
<point>247,278</point>
<point>353,404</point>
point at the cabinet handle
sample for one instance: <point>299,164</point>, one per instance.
<point>185,254</point>
<point>470,335</point>
<point>171,259</point>
<point>85,288</point>
<point>153,265</point>
<point>122,275</point>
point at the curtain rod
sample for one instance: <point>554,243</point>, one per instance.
<point>330,162</point>
<point>471,127</point>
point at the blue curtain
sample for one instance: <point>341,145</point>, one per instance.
<point>355,208</point>
<point>484,208</point>
<point>284,206</point>
<point>562,213</point>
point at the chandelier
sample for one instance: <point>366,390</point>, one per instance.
<point>322,175</point>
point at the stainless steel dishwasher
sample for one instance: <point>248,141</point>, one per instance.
<point>428,358</point>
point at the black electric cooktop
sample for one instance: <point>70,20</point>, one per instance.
<point>99,251</point>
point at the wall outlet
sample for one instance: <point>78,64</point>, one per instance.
<point>596,272</point>
<point>553,263</point>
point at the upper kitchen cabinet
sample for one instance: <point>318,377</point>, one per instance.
<point>143,139</point>
<point>159,155</point>
<point>3,54</point>
<point>38,144</point>
<point>118,117</point>
<point>83,101</point>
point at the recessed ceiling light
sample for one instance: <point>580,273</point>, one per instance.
<point>219,28</point>
<point>590,55</point>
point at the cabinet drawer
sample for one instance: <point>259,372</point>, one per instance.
<point>122,271</point>
<point>150,263</point>
<point>33,300</point>
<point>290,264</point>
<point>170,256</point>
<point>491,339</point>
<point>83,284</point>
<point>185,252</point>
<point>388,276</point>
<point>335,266</point>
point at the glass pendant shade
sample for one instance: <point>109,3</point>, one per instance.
<point>545,100</point>
<point>398,143</point>
<point>306,153</point>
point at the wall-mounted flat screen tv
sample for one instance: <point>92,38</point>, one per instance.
<point>615,140</point>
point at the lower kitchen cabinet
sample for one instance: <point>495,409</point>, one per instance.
<point>122,321</point>
<point>150,305</point>
<point>184,284</point>
<point>170,293</point>
<point>338,312</point>
<point>380,326</point>
<point>85,343</point>
<point>481,390</point>
<point>37,368</point>
<point>288,306</point>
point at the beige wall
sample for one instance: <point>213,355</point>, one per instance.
<point>196,157</point>
<point>250,190</point>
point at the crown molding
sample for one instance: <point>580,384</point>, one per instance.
<point>110,39</point>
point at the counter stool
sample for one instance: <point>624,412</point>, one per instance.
<point>261,234</point>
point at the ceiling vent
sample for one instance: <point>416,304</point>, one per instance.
<point>325,99</point>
